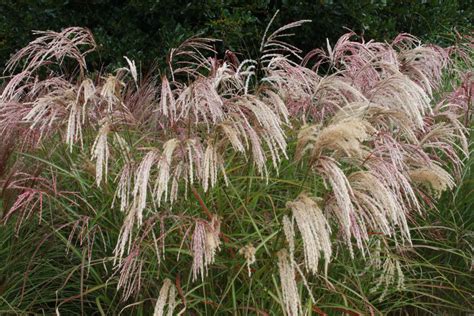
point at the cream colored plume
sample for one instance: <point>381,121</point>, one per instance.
<point>248,251</point>
<point>314,229</point>
<point>378,205</point>
<point>432,177</point>
<point>343,138</point>
<point>167,297</point>
<point>289,289</point>
<point>398,92</point>
<point>100,153</point>
<point>205,243</point>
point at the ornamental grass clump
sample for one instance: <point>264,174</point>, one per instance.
<point>217,165</point>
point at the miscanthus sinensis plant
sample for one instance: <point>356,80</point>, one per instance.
<point>264,171</point>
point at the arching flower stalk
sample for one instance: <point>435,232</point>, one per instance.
<point>424,65</point>
<point>54,46</point>
<point>331,94</point>
<point>395,178</point>
<point>378,205</point>
<point>342,206</point>
<point>398,92</point>
<point>124,187</point>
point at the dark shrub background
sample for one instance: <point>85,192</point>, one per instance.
<point>145,30</point>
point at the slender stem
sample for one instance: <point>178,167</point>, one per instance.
<point>201,202</point>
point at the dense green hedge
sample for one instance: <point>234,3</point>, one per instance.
<point>146,29</point>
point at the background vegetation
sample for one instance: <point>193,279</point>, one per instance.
<point>145,30</point>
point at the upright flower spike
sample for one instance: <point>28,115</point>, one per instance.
<point>132,68</point>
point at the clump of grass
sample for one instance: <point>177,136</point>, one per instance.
<point>128,193</point>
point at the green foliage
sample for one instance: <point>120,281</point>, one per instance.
<point>41,268</point>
